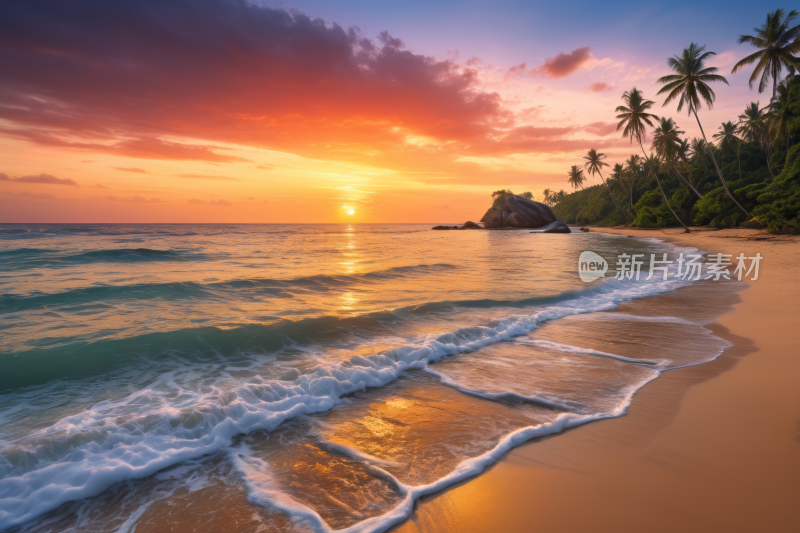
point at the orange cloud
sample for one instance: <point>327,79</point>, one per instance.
<point>600,87</point>
<point>238,73</point>
<point>133,199</point>
<point>41,178</point>
<point>562,64</point>
<point>221,203</point>
<point>131,169</point>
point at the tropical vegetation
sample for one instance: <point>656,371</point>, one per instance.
<point>748,171</point>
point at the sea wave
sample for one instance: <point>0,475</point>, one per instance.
<point>165,423</point>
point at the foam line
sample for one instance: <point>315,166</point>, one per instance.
<point>549,400</point>
<point>657,363</point>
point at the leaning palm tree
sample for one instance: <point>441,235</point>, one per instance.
<point>727,137</point>
<point>575,177</point>
<point>594,165</point>
<point>666,139</point>
<point>690,84</point>
<point>634,115</point>
<point>778,43</point>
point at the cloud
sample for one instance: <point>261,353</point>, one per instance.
<point>601,128</point>
<point>220,202</point>
<point>41,178</point>
<point>100,186</point>
<point>636,73</point>
<point>724,59</point>
<point>88,161</point>
<point>40,196</point>
<point>600,86</point>
<point>131,169</point>
<point>187,80</point>
<point>133,199</point>
<point>564,64</point>
<point>207,177</point>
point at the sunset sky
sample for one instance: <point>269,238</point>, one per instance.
<point>310,110</point>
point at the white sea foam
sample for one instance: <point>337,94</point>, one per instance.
<point>546,400</point>
<point>658,363</point>
<point>163,424</point>
<point>262,489</point>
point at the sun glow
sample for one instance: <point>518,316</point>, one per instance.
<point>351,212</point>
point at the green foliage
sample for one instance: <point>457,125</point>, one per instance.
<point>779,201</point>
<point>501,195</point>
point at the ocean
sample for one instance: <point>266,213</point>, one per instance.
<point>307,377</point>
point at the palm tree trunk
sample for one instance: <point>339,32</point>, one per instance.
<point>664,195</point>
<point>614,200</point>
<point>678,172</point>
<point>739,159</point>
<point>669,206</point>
<point>766,148</point>
<point>788,139</point>
<point>719,172</point>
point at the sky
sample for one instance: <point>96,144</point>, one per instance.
<point>310,111</point>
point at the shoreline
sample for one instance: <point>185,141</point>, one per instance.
<point>709,447</point>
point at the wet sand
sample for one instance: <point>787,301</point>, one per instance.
<point>714,447</point>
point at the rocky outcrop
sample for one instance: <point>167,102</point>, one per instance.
<point>554,227</point>
<point>467,225</point>
<point>517,212</point>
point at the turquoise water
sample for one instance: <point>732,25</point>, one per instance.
<point>281,364</point>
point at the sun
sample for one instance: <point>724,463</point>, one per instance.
<point>351,212</point>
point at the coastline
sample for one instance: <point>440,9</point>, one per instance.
<point>704,448</point>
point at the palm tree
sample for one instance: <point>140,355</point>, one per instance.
<point>690,83</point>
<point>548,199</point>
<point>653,165</point>
<point>778,43</point>
<point>666,139</point>
<point>575,177</point>
<point>633,169</point>
<point>683,148</point>
<point>751,123</point>
<point>616,176</point>
<point>634,115</point>
<point>783,119</point>
<point>594,164</point>
<point>727,137</point>
<point>752,127</point>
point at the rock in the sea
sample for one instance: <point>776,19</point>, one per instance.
<point>467,225</point>
<point>554,227</point>
<point>517,212</point>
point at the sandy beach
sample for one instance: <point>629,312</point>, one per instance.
<point>714,447</point>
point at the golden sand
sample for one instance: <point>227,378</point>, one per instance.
<point>714,447</point>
